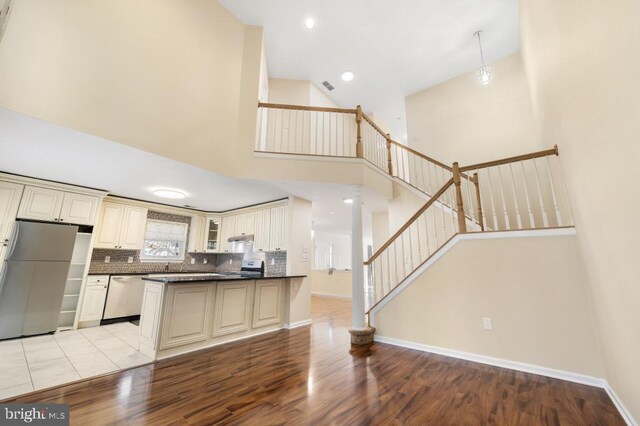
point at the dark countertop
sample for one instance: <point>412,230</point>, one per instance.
<point>150,273</point>
<point>214,277</point>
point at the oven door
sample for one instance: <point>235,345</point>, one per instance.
<point>124,297</point>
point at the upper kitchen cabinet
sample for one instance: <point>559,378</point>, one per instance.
<point>212,234</point>
<point>121,226</point>
<point>57,206</point>
<point>245,224</point>
<point>278,229</point>
<point>228,230</point>
<point>196,234</point>
<point>10,194</point>
<point>262,230</point>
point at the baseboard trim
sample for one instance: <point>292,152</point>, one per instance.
<point>297,324</point>
<point>331,295</point>
<point>626,414</point>
<point>518,366</point>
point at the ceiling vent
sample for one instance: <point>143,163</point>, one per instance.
<point>327,85</point>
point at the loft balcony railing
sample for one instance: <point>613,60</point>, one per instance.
<point>517,193</point>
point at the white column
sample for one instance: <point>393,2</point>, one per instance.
<point>357,259</point>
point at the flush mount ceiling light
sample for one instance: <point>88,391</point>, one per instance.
<point>484,74</point>
<point>347,76</point>
<point>169,193</point>
<point>348,200</point>
<point>309,23</point>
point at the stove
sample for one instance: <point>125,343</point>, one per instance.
<point>252,268</point>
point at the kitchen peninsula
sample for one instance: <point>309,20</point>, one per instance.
<point>183,313</point>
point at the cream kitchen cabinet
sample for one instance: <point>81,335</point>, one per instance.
<point>197,234</point>
<point>278,228</point>
<point>245,224</point>
<point>267,303</point>
<point>233,305</point>
<point>212,234</point>
<point>95,294</point>
<point>228,231</point>
<point>262,230</point>
<point>10,194</point>
<point>57,206</point>
<point>121,226</point>
<point>188,308</point>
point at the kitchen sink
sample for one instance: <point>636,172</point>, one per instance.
<point>198,274</point>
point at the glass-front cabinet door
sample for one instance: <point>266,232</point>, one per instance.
<point>212,235</point>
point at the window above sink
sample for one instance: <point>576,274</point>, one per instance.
<point>164,241</point>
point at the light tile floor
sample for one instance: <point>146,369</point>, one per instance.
<point>34,363</point>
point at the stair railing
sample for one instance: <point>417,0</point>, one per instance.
<point>515,193</point>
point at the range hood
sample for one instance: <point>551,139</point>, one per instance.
<point>244,238</point>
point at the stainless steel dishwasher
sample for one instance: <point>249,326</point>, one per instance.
<point>124,297</point>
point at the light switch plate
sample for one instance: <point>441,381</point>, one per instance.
<point>487,323</point>
<point>107,259</point>
<point>193,261</point>
<point>205,261</point>
<point>130,259</point>
<point>273,262</point>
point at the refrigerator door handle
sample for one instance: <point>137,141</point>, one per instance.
<point>14,240</point>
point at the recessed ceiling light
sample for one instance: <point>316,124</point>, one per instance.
<point>348,200</point>
<point>169,193</point>
<point>347,76</point>
<point>309,23</point>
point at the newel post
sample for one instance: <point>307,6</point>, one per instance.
<point>359,148</point>
<point>389,162</point>
<point>457,181</point>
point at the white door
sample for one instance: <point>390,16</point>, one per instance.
<point>278,234</point>
<point>79,209</point>
<point>197,234</point>
<point>93,302</point>
<point>10,194</point>
<point>133,226</point>
<point>40,204</point>
<point>109,225</point>
<point>263,230</point>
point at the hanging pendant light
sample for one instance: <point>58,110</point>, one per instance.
<point>484,74</point>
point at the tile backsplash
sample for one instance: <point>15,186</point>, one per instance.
<point>216,262</point>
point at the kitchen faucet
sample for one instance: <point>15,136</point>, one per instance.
<point>166,267</point>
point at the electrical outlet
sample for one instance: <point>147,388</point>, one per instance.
<point>296,286</point>
<point>205,261</point>
<point>193,261</point>
<point>230,261</point>
<point>487,323</point>
<point>130,259</point>
<point>107,259</point>
<point>273,262</point>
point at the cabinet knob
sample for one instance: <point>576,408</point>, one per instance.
<point>61,220</point>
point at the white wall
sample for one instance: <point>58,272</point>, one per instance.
<point>462,120</point>
<point>341,243</point>
<point>532,288</point>
<point>582,59</point>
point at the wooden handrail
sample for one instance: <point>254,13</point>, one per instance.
<point>538,154</point>
<point>374,125</point>
<point>305,108</point>
<point>421,155</point>
<point>410,221</point>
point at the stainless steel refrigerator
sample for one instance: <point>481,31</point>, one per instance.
<point>35,274</point>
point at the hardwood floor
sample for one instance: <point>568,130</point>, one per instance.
<point>311,376</point>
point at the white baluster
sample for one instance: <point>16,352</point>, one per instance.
<point>515,197</point>
<point>532,221</point>
<point>472,211</point>
<point>553,194</point>
<point>504,202</point>
<point>493,204</point>
<point>545,219</point>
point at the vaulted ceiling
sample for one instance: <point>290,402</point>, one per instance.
<point>394,48</point>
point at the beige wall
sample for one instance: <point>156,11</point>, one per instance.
<point>338,284</point>
<point>297,92</point>
<point>405,203</point>
<point>461,120</point>
<point>535,297</point>
<point>299,260</point>
<point>160,76</point>
<point>582,60</point>
<point>380,229</point>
